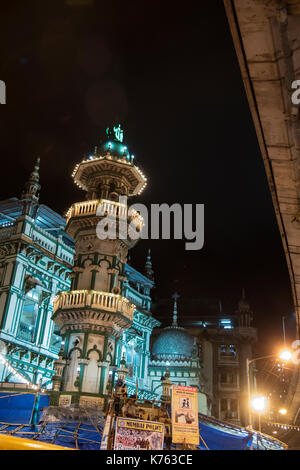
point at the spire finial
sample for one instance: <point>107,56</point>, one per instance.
<point>32,186</point>
<point>244,311</point>
<point>175,297</point>
<point>243,293</point>
<point>148,266</point>
<point>35,175</point>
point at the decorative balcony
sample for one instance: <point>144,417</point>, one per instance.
<point>26,332</point>
<point>94,300</point>
<point>86,173</point>
<point>229,386</point>
<point>111,208</point>
<point>7,230</point>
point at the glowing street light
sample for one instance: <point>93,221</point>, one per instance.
<point>285,355</point>
<point>283,411</point>
<point>259,404</point>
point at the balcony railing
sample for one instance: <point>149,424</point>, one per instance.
<point>26,332</point>
<point>7,230</point>
<point>114,209</point>
<point>228,386</point>
<point>95,300</point>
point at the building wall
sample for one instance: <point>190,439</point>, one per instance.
<point>34,266</point>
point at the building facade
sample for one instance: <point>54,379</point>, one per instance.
<point>136,340</point>
<point>209,353</point>
<point>75,315</point>
<point>174,352</point>
<point>36,258</point>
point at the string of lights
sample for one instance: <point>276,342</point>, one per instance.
<point>284,426</point>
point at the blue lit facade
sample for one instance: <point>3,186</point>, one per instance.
<point>68,319</point>
<point>36,258</point>
<point>136,340</point>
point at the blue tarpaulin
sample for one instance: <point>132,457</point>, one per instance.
<point>16,410</point>
<point>216,439</point>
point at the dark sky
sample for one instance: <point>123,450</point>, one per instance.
<point>168,72</point>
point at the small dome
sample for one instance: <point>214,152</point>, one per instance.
<point>116,149</point>
<point>173,343</point>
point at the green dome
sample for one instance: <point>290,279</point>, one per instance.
<point>173,343</point>
<point>114,145</point>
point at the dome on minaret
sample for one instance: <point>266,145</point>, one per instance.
<point>114,144</point>
<point>173,342</point>
<point>111,164</point>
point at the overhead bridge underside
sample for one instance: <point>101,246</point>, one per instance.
<point>266,36</point>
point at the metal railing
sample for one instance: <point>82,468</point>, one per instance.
<point>24,332</point>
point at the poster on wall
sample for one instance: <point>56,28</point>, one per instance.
<point>135,434</point>
<point>185,428</point>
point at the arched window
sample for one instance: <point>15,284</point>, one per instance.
<point>27,322</point>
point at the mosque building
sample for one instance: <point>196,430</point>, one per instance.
<point>36,258</point>
<point>74,311</point>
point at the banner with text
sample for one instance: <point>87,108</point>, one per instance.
<point>135,434</point>
<point>185,428</point>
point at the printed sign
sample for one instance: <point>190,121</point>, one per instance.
<point>185,428</point>
<point>135,434</point>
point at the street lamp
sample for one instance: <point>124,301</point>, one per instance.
<point>259,404</point>
<point>285,355</point>
<point>283,411</point>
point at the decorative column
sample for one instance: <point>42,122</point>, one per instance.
<point>59,366</point>
<point>166,387</point>
<point>96,308</point>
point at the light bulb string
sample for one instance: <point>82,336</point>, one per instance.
<point>283,426</point>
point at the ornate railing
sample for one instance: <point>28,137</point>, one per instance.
<point>6,231</point>
<point>94,299</point>
<point>106,207</point>
<point>26,332</point>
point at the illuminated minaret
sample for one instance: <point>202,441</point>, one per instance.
<point>93,315</point>
<point>30,194</point>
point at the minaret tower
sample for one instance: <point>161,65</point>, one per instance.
<point>175,297</point>
<point>148,266</point>
<point>93,315</point>
<point>30,194</point>
<point>244,312</point>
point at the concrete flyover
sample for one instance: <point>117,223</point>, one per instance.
<point>266,36</point>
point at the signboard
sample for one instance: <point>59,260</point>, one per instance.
<point>185,428</point>
<point>135,434</point>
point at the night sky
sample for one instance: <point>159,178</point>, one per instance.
<point>169,73</point>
